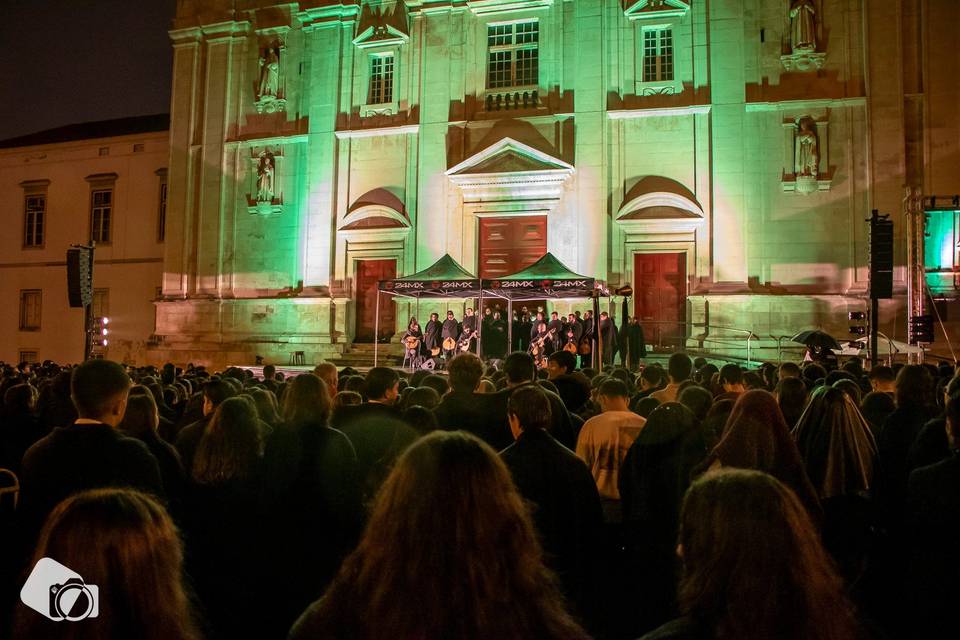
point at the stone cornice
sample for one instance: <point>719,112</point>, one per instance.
<point>629,114</point>
<point>259,142</point>
<point>380,131</point>
<point>807,103</point>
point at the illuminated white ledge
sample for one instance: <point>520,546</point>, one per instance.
<point>629,114</point>
<point>381,131</point>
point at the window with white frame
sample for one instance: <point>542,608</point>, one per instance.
<point>34,214</point>
<point>513,54</point>
<point>381,78</point>
<point>100,305</point>
<point>658,54</point>
<point>101,213</point>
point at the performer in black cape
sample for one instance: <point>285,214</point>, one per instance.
<point>449,333</point>
<point>431,337</point>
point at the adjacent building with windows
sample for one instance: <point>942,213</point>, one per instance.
<point>719,157</point>
<point>101,182</point>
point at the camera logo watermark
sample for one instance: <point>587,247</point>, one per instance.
<point>58,593</point>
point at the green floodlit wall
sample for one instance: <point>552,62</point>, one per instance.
<point>940,250</point>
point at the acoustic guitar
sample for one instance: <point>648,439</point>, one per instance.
<point>536,347</point>
<point>449,344</point>
<point>412,342</point>
<point>585,347</point>
<point>570,347</point>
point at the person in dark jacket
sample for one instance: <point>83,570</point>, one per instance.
<point>214,393</point>
<point>90,453</point>
<point>565,502</point>
<point>376,429</point>
<point>572,386</point>
<point>19,426</point>
<point>313,486</point>
<point>653,478</point>
<point>933,521</point>
<point>141,421</point>
<point>464,408</point>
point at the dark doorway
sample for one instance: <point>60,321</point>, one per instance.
<point>661,296</point>
<point>507,245</point>
<point>368,273</point>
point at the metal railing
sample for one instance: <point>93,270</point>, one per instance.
<point>703,338</point>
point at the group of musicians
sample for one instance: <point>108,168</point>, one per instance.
<point>540,335</point>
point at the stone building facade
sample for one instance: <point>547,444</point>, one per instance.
<point>720,156</point>
<point>103,182</point>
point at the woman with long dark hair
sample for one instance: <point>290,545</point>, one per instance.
<point>450,552</point>
<point>756,437</point>
<point>123,542</point>
<point>753,566</point>
<point>314,489</point>
<point>840,456</point>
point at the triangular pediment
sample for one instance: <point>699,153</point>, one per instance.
<point>509,156</point>
<point>377,27</point>
<point>643,9</point>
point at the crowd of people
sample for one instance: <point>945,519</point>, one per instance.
<point>433,345</point>
<point>690,501</point>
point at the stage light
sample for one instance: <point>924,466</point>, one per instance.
<point>857,316</point>
<point>858,330</point>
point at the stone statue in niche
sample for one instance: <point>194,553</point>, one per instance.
<point>803,43</point>
<point>265,178</point>
<point>807,155</point>
<point>803,26</point>
<point>269,88</point>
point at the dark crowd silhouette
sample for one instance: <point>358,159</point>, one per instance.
<point>493,500</point>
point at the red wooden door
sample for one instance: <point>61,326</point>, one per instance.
<point>510,244</point>
<point>369,272</point>
<point>660,296</point>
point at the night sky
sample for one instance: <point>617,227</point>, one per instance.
<point>69,61</point>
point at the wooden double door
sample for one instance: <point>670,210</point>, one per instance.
<point>368,275</point>
<point>660,296</point>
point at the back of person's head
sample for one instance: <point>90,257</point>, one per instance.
<point>613,389</point>
<point>697,399</point>
<point>216,391</point>
<point>379,382</point>
<point>653,376</point>
<point>519,367</point>
<point>914,386</point>
<point>752,380</point>
<point>853,367</point>
<point>699,362</point>
<point>126,544</point>
<point>306,401</point>
<point>679,367</point>
<point>423,397</point>
<point>716,420</point>
<point>791,395</point>
<point>232,443</point>
<point>326,371</point>
<point>417,377</point>
<point>565,360</point>
<point>347,398</point>
<point>421,419</point>
<point>456,493</point>
<point>436,382</point>
<point>731,374</point>
<point>99,387</point>
<point>357,384</point>
<point>836,444</point>
<point>531,407</point>
<point>753,565</point>
<point>882,374</point>
<point>813,372</point>
<point>836,375</point>
<point>876,407</point>
<point>20,399</point>
<point>850,388</point>
<point>269,371</point>
<point>266,403</point>
<point>141,416</point>
<point>465,371</point>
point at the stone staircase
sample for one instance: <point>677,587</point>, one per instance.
<point>360,355</point>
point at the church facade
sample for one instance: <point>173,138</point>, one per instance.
<point>720,157</point>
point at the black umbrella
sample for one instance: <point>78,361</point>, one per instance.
<point>817,338</point>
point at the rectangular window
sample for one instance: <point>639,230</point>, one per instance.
<point>30,357</point>
<point>381,79</point>
<point>30,309</point>
<point>513,54</point>
<point>34,210</point>
<point>101,209</point>
<point>100,305</point>
<point>162,213</point>
<point>657,55</point>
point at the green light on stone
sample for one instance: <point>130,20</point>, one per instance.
<point>940,243</point>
